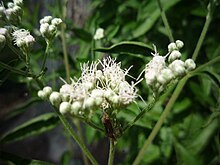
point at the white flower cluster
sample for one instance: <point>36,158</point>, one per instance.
<point>48,27</point>
<point>12,13</point>
<point>102,85</point>
<point>23,39</point>
<point>99,34</point>
<point>158,74</point>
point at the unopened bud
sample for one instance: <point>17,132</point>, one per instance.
<point>174,55</point>
<point>46,19</point>
<point>47,90</point>
<point>179,44</point>
<point>89,102</point>
<point>55,98</point>
<point>65,107</point>
<point>42,95</point>
<point>56,21</point>
<point>18,2</point>
<point>190,64</point>
<point>172,46</point>
<point>2,41</point>
<point>178,68</point>
<point>75,107</point>
<point>10,4</point>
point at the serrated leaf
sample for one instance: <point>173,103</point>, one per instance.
<point>20,160</point>
<point>82,34</point>
<point>131,47</point>
<point>32,127</point>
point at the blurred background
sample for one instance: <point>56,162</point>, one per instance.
<point>190,134</point>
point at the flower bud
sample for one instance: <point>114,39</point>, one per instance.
<point>75,107</point>
<point>18,2</point>
<point>10,4</point>
<point>17,10</point>
<point>46,19</point>
<point>174,55</point>
<point>2,11</point>
<point>55,98</point>
<point>44,29</point>
<point>99,34</point>
<point>99,101</point>
<point>4,32</point>
<point>150,77</point>
<point>47,90</point>
<point>178,68</point>
<point>172,46</point>
<point>41,94</point>
<point>2,41</point>
<point>108,93</point>
<point>165,76</point>
<point>56,21</point>
<point>65,107</point>
<point>89,102</point>
<point>179,44</point>
<point>115,99</point>
<point>190,64</point>
<point>97,93</point>
<point>52,30</point>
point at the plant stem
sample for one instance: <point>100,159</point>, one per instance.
<point>111,151</point>
<point>204,31</point>
<point>76,138</point>
<point>66,60</point>
<point>12,69</point>
<point>165,21</point>
<point>161,119</point>
<point>78,126</point>
<point>45,56</point>
<point>150,105</point>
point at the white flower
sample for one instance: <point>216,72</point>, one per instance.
<point>127,93</point>
<point>99,34</point>
<point>23,39</point>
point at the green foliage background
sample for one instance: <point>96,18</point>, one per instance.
<point>190,134</point>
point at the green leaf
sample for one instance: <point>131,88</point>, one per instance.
<point>32,127</point>
<point>150,16</point>
<point>82,34</point>
<point>66,158</point>
<point>132,47</point>
<point>20,160</point>
<point>203,138</point>
<point>184,156</point>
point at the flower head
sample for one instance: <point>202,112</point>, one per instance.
<point>23,39</point>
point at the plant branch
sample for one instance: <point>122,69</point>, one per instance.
<point>149,106</point>
<point>161,119</point>
<point>165,21</point>
<point>12,69</point>
<point>211,7</point>
<point>111,151</point>
<point>75,137</point>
